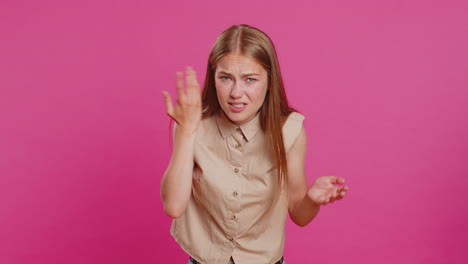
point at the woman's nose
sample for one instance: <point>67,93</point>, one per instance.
<point>237,90</point>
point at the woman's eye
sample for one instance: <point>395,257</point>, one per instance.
<point>251,79</point>
<point>225,78</point>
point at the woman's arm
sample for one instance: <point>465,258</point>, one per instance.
<point>176,184</point>
<point>303,202</point>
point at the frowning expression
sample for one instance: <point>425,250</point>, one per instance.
<point>241,85</point>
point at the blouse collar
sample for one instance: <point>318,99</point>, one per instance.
<point>249,129</point>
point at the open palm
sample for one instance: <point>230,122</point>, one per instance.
<point>326,190</point>
<point>187,111</point>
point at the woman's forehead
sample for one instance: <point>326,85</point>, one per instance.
<point>239,64</point>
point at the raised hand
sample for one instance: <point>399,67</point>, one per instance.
<point>187,111</point>
<point>325,190</point>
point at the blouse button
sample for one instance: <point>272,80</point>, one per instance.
<point>236,170</point>
<point>233,217</point>
<point>237,146</point>
<point>234,194</point>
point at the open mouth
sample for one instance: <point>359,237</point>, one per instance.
<point>238,107</point>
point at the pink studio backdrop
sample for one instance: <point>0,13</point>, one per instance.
<point>84,139</point>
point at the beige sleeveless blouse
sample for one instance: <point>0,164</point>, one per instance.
<point>233,210</point>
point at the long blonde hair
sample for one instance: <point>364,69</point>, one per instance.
<point>252,42</point>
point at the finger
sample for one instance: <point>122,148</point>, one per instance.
<point>341,191</point>
<point>341,188</point>
<point>341,195</point>
<point>168,102</point>
<point>180,84</point>
<point>326,200</point>
<point>337,180</point>
<point>334,195</point>
<point>191,81</point>
<point>337,192</point>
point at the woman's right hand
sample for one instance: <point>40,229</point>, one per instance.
<point>188,109</point>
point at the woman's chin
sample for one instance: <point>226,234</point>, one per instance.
<point>239,119</point>
<point>236,119</point>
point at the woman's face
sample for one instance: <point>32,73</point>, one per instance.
<point>241,85</point>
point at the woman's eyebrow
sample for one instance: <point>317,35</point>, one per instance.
<point>250,74</point>
<point>243,75</point>
<point>223,72</point>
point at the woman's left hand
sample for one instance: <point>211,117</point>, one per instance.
<point>324,190</point>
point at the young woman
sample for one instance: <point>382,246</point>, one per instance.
<point>237,166</point>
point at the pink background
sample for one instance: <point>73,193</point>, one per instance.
<point>84,139</point>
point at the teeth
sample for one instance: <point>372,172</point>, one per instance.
<point>238,105</point>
